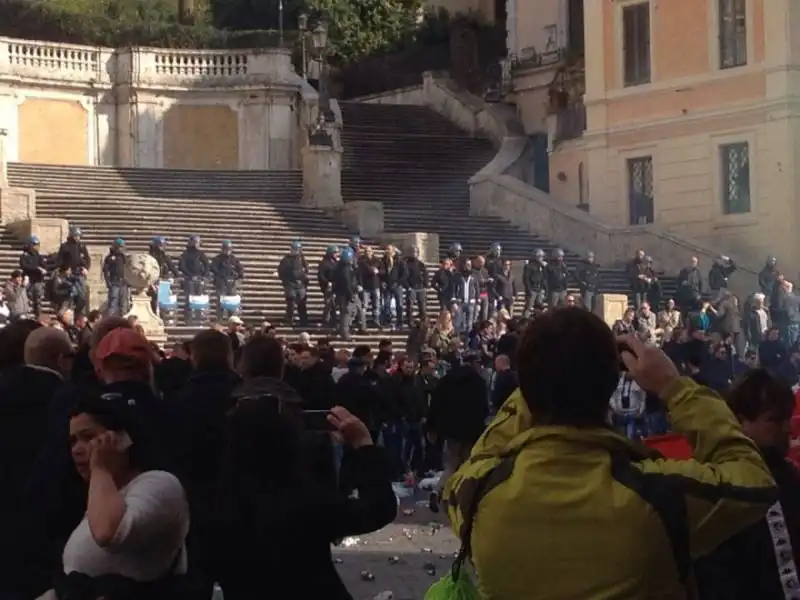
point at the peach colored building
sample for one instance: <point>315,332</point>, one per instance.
<point>681,113</point>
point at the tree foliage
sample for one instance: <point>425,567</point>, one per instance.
<point>358,29</point>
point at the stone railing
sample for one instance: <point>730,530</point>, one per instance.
<point>69,63</point>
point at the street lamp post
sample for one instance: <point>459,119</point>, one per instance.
<point>319,44</point>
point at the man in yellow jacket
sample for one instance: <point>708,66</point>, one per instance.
<point>566,509</point>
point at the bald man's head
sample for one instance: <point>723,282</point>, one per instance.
<point>49,347</point>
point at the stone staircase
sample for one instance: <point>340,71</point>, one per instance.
<point>259,211</point>
<point>417,163</point>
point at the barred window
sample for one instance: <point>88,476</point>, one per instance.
<point>732,33</point>
<point>735,178</point>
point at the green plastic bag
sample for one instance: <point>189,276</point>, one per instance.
<point>453,587</point>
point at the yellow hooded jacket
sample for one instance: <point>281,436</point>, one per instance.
<point>571,514</point>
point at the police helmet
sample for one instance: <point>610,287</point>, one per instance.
<point>590,255</point>
<point>331,250</point>
<point>159,241</point>
<point>74,231</point>
<point>119,243</point>
<point>33,240</point>
<point>227,244</point>
<point>538,253</point>
<point>195,239</point>
<point>355,241</point>
<point>297,245</point>
<point>347,255</point>
<point>455,248</point>
<point>558,253</point>
<point>496,248</point>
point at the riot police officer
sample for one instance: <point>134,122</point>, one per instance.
<point>158,251</point>
<point>73,256</point>
<point>557,279</point>
<point>346,291</point>
<point>193,265</point>
<point>534,279</point>
<point>326,270</point>
<point>293,273</point>
<point>114,276</point>
<point>34,267</point>
<point>588,277</point>
<point>228,273</point>
<point>454,252</point>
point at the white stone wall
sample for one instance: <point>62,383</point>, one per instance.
<point>127,91</point>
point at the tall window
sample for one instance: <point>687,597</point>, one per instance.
<point>735,178</point>
<point>641,203</point>
<point>636,43</point>
<point>732,33</point>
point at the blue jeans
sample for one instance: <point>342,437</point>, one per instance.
<point>117,299</point>
<point>372,299</point>
<point>464,317</point>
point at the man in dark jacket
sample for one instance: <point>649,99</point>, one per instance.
<point>534,279</point>
<point>416,284</point>
<point>719,274</point>
<point>114,276</point>
<point>638,278</point>
<point>346,291</point>
<point>325,274</point>
<point>690,285</point>
<point>411,402</point>
<point>457,415</point>
<point>762,561</point>
<point>505,288</point>
<point>369,278</point>
<point>767,278</point>
<point>393,278</point>
<point>588,276</point>
<point>74,255</point>
<point>157,250</point>
<point>442,282</point>
<point>34,267</point>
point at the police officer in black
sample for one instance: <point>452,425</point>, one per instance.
<point>588,277</point>
<point>34,267</point>
<point>193,265</point>
<point>293,273</point>
<point>325,274</point>
<point>158,251</point>
<point>74,255</point>
<point>534,280</point>
<point>557,279</point>
<point>416,284</point>
<point>346,290</point>
<point>114,276</point>
<point>227,271</point>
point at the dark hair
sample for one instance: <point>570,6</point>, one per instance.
<point>262,454</point>
<point>114,416</point>
<point>211,351</point>
<point>187,347</point>
<point>16,273</point>
<point>262,356</point>
<point>94,316</point>
<point>361,351</point>
<point>568,368</point>
<point>383,342</point>
<point>384,358</point>
<point>12,342</point>
<point>758,392</point>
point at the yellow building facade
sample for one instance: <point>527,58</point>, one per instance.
<point>680,113</point>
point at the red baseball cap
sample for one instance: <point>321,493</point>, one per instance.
<point>126,343</point>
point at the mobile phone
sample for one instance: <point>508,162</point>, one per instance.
<point>317,420</point>
<point>124,441</point>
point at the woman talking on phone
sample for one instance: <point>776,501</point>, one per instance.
<point>130,544</point>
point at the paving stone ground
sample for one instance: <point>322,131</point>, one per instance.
<point>413,540</point>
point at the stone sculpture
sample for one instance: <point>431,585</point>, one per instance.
<point>141,273</point>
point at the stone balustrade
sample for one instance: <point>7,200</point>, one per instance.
<point>53,62</point>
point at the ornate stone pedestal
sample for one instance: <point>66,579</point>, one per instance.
<point>151,323</point>
<point>142,272</point>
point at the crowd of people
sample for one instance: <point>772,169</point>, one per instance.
<point>230,464</point>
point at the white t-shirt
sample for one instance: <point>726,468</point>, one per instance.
<point>150,536</point>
